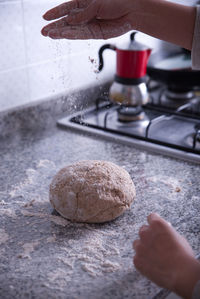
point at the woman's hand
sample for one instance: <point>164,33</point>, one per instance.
<point>91,19</point>
<point>165,257</point>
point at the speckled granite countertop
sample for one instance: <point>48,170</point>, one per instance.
<point>45,256</point>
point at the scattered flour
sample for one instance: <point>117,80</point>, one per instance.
<point>29,204</point>
<point>93,251</point>
<point>30,187</point>
<point>28,248</point>
<point>172,183</point>
<point>109,266</point>
<point>93,254</point>
<point>2,252</point>
<point>51,239</point>
<point>7,212</point>
<point>3,236</point>
<point>66,261</point>
<point>45,163</point>
<point>56,219</point>
<point>58,278</point>
<point>91,269</point>
<point>27,193</point>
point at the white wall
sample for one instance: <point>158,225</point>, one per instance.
<point>33,67</point>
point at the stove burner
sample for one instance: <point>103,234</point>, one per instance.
<point>174,98</point>
<point>130,113</point>
<point>179,95</point>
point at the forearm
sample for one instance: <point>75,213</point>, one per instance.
<point>167,21</point>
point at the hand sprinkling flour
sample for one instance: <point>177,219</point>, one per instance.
<point>103,19</point>
<point>90,19</point>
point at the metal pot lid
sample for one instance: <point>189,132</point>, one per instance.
<point>175,63</point>
<point>174,70</point>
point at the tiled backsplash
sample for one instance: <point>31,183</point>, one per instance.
<point>33,67</point>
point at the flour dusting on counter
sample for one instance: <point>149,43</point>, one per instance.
<point>28,249</point>
<point>3,236</point>
<point>171,182</point>
<point>174,186</point>
<point>93,254</point>
<point>69,260</point>
<point>7,212</point>
<point>43,170</point>
<point>56,219</point>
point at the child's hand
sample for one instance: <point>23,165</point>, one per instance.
<point>96,19</point>
<point>165,257</point>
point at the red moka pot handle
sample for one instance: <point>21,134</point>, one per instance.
<point>101,50</point>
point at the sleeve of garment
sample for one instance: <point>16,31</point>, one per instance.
<point>196,292</point>
<point>196,42</point>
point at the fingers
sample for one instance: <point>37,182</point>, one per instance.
<point>136,243</point>
<point>139,264</point>
<point>55,25</point>
<point>145,234</point>
<point>60,10</point>
<point>64,9</point>
<point>158,223</point>
<point>142,244</point>
<point>155,217</point>
<point>139,260</point>
<point>83,16</point>
<point>97,29</point>
<point>152,217</point>
<point>82,32</point>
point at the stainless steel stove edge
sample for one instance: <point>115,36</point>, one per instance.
<point>139,144</point>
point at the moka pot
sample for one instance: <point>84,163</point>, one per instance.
<point>129,86</point>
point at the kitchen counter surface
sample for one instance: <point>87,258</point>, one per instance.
<point>42,255</point>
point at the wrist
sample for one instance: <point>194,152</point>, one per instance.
<point>187,277</point>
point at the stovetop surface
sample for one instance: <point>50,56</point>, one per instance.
<point>164,129</point>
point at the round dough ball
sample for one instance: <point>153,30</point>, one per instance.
<point>92,191</point>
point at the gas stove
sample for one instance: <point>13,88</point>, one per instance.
<point>168,124</point>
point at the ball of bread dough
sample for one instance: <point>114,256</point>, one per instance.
<point>92,191</point>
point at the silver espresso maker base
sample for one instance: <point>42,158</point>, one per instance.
<point>130,95</point>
